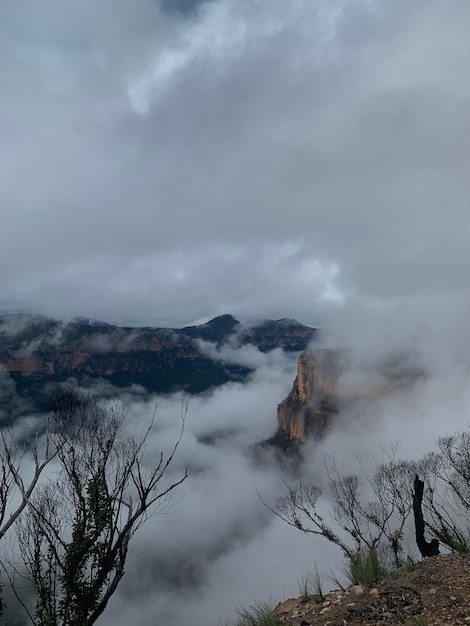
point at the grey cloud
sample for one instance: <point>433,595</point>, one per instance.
<point>185,7</point>
<point>264,158</point>
<point>337,128</point>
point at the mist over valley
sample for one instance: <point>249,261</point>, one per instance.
<point>266,202</point>
<point>218,546</point>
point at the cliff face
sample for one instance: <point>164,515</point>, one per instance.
<point>36,350</point>
<point>308,409</point>
<point>329,380</point>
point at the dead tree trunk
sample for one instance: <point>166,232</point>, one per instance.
<point>426,548</point>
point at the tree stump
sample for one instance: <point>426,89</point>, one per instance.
<point>426,548</point>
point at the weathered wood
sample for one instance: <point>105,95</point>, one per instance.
<point>426,548</point>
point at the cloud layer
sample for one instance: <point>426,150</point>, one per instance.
<point>264,158</point>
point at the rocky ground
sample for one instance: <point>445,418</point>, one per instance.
<point>435,593</point>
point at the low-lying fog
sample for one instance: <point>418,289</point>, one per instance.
<point>219,548</point>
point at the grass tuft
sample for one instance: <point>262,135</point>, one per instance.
<point>366,567</point>
<point>334,578</point>
<point>409,565</point>
<point>310,584</point>
<point>418,620</point>
<point>458,541</point>
<point>257,614</point>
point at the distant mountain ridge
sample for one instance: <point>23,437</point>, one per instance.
<point>36,351</point>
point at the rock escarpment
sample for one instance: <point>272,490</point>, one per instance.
<point>329,380</point>
<point>308,409</point>
<point>36,351</point>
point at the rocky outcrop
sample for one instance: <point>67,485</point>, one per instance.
<point>434,591</point>
<point>308,409</point>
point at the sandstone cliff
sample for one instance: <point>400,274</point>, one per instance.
<point>35,351</point>
<point>308,409</point>
<point>328,378</point>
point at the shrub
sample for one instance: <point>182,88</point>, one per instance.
<point>367,566</point>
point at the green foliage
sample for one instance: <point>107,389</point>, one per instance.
<point>86,553</point>
<point>257,614</point>
<point>367,567</point>
<point>70,592</point>
<point>455,539</point>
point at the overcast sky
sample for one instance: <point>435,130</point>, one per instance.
<point>162,163</point>
<point>165,162</point>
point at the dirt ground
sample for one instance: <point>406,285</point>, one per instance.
<point>435,593</point>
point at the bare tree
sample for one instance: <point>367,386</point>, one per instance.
<point>16,489</point>
<point>427,548</point>
<point>75,534</point>
<point>365,512</point>
<point>446,498</point>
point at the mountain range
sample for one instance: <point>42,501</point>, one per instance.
<point>37,352</point>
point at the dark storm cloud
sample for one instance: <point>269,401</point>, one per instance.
<point>185,7</point>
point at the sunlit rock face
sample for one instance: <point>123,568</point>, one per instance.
<point>330,381</point>
<point>313,401</point>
